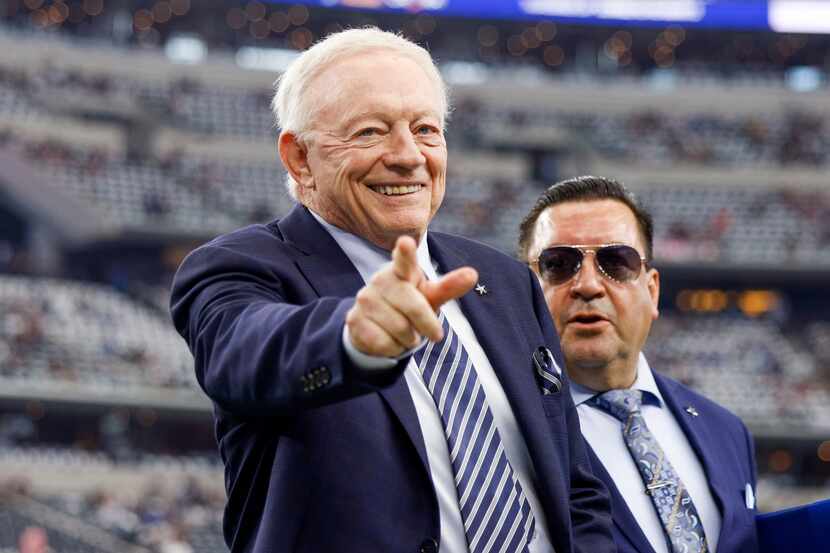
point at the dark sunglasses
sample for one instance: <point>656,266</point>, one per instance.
<point>617,262</point>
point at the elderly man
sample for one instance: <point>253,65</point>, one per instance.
<point>364,404</point>
<point>681,470</point>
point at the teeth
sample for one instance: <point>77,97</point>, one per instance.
<point>397,190</point>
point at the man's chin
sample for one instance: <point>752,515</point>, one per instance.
<point>587,359</point>
<point>385,237</point>
<point>390,227</point>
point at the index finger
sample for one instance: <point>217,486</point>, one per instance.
<point>405,259</point>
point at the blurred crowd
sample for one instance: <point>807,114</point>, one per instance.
<point>770,371</point>
<point>545,45</point>
<point>182,518</point>
<point>650,136</point>
<point>795,137</point>
<point>87,335</point>
<point>183,193</point>
<point>176,192</point>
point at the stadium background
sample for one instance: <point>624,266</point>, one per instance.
<point>133,130</point>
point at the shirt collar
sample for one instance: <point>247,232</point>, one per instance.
<point>644,382</point>
<point>366,256</point>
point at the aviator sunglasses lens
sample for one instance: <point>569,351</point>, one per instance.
<point>560,263</point>
<point>621,263</point>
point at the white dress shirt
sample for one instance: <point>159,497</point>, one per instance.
<point>603,433</point>
<point>368,259</point>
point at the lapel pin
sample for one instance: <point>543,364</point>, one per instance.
<point>692,411</point>
<point>481,290</point>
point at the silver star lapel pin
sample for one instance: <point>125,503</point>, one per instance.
<point>481,290</point>
<point>692,411</point>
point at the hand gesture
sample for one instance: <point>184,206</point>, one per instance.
<point>398,306</point>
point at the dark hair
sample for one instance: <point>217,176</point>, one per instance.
<point>583,189</point>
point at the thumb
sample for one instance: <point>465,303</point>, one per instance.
<point>449,287</point>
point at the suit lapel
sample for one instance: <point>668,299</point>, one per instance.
<point>707,442</point>
<point>623,518</point>
<point>324,265</point>
<point>330,272</point>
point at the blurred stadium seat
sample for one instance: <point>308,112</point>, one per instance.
<point>96,122</point>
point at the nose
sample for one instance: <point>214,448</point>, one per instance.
<point>588,283</point>
<point>403,152</point>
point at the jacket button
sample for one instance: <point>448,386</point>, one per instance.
<point>429,545</point>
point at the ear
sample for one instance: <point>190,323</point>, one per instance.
<point>534,268</point>
<point>653,286</point>
<point>294,156</point>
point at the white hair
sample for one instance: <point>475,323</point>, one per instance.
<point>291,107</point>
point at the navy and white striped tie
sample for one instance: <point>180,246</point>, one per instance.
<point>494,508</point>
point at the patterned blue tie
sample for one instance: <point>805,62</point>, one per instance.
<point>494,508</point>
<point>681,522</point>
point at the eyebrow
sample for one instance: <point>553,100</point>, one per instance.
<point>381,115</point>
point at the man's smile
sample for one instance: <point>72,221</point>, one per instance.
<point>396,190</point>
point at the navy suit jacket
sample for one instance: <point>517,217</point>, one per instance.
<point>321,456</point>
<point>724,447</point>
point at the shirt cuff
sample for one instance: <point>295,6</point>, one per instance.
<point>373,362</point>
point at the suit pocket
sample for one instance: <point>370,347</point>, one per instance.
<point>552,404</point>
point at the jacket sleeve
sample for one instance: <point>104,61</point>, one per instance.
<point>256,352</point>
<point>590,503</point>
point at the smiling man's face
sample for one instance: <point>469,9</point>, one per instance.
<point>376,154</point>
<point>602,324</point>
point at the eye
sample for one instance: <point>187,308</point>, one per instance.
<point>371,131</point>
<point>426,130</point>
